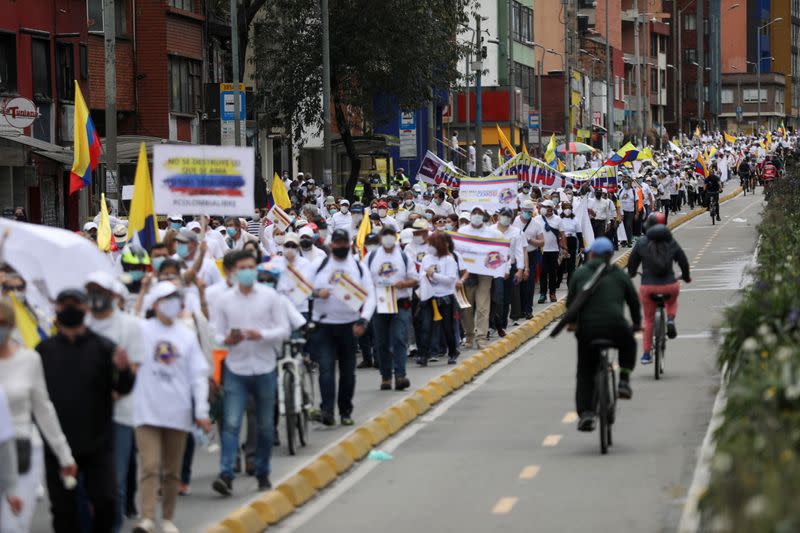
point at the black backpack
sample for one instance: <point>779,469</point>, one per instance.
<point>659,258</point>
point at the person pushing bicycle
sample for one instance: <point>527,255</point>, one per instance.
<point>602,316</point>
<point>656,252</point>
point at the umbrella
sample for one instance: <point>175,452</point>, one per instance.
<point>52,259</point>
<point>575,148</point>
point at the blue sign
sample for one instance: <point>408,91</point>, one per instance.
<point>227,104</point>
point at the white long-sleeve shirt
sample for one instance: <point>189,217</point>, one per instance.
<point>332,310</point>
<point>444,278</point>
<point>343,221</point>
<point>518,244</point>
<point>387,268</point>
<point>260,310</point>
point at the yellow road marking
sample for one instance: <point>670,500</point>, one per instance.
<point>504,505</point>
<point>569,418</point>
<point>551,440</point>
<point>529,472</point>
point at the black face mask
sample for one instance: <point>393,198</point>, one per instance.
<point>598,195</point>
<point>340,253</point>
<point>305,244</point>
<point>100,303</point>
<point>70,317</point>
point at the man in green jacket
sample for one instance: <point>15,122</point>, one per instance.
<point>603,317</point>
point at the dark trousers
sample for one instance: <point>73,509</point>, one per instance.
<point>97,476</point>
<point>528,288</point>
<point>627,222</point>
<point>673,199</point>
<point>335,343</point>
<point>589,359</point>
<point>691,198</point>
<point>664,206</point>
<point>446,325</point>
<point>188,458</point>
<point>567,266</point>
<point>391,341</point>
<point>502,291</point>
<point>598,227</point>
<point>366,345</point>
<point>549,278</point>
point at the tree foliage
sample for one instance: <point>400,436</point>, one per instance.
<point>404,49</point>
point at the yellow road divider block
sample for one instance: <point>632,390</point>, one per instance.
<point>297,489</point>
<point>469,367</point>
<point>375,432</point>
<point>338,458</point>
<point>319,474</point>
<point>357,445</point>
<point>483,359</point>
<point>443,384</point>
<point>455,379</point>
<point>431,394</point>
<point>419,403</point>
<point>405,412</point>
<point>272,506</point>
<point>393,421</point>
<point>244,520</point>
<point>217,528</point>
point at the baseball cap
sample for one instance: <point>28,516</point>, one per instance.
<point>292,237</point>
<point>382,204</point>
<point>305,231</point>
<point>356,208</point>
<point>463,215</point>
<point>340,235</point>
<point>193,225</point>
<point>548,203</point>
<point>420,224</point>
<point>71,294</point>
<point>103,279</point>
<point>602,246</point>
<point>162,290</point>
<point>186,235</point>
<point>89,226</point>
<point>406,236</point>
<point>528,204</point>
<point>176,218</point>
<point>344,202</point>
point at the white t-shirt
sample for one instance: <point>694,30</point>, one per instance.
<point>387,268</point>
<point>550,241</point>
<point>533,230</point>
<point>627,199</point>
<point>569,227</point>
<point>444,278</point>
<point>173,377</point>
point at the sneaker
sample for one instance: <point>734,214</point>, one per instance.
<point>184,489</point>
<point>671,331</point>
<point>624,389</point>
<point>719,219</point>
<point>145,526</point>
<point>433,359</point>
<point>515,323</point>
<point>223,485</point>
<point>586,423</point>
<point>646,358</point>
<point>386,384</point>
<point>453,359</point>
<point>421,361</point>
<point>412,353</point>
<point>501,332</point>
<point>364,364</point>
<point>328,419</point>
<point>263,483</point>
<point>347,421</point>
<point>401,383</point>
<point>528,316</point>
<point>168,527</point>
<point>542,299</point>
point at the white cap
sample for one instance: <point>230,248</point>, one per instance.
<point>464,214</point>
<point>178,218</point>
<point>300,222</point>
<point>528,204</point>
<point>406,236</point>
<point>193,225</point>
<point>120,231</point>
<point>89,226</point>
<point>162,290</point>
<point>547,203</point>
<point>104,280</point>
<point>305,231</point>
<point>344,202</point>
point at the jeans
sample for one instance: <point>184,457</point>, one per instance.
<point>188,457</point>
<point>391,342</point>
<point>367,345</point>
<point>504,289</point>
<point>236,388</point>
<point>336,343</point>
<point>123,447</point>
<point>528,288</point>
<point>589,358</point>
<point>567,266</point>
<point>446,325</point>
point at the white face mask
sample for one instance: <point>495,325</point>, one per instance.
<point>372,247</point>
<point>567,212</point>
<point>279,239</point>
<point>382,213</point>
<point>290,253</point>
<point>388,241</point>
<point>357,218</point>
<point>170,307</point>
<point>505,220</point>
<point>476,220</point>
<point>419,239</point>
<point>344,209</point>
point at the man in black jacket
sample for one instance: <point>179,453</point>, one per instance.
<point>83,371</point>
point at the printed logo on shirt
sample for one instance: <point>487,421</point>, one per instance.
<point>336,275</point>
<point>507,196</point>
<point>387,270</point>
<point>494,259</point>
<point>165,353</point>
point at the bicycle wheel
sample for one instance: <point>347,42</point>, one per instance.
<point>602,411</point>
<point>291,410</point>
<point>658,332</point>
<point>307,393</point>
<point>663,350</point>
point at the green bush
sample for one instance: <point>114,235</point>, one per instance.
<point>755,473</point>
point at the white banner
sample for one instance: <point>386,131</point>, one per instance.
<point>196,179</point>
<point>489,257</point>
<point>438,172</point>
<point>491,193</point>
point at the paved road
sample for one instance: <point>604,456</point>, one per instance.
<point>503,453</point>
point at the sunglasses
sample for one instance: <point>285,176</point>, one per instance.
<point>290,245</point>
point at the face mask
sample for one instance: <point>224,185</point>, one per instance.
<point>419,239</point>
<point>382,213</point>
<point>5,332</point>
<point>438,201</point>
<point>136,275</point>
<point>70,317</point>
<point>598,195</point>
<point>388,241</point>
<point>428,216</point>
<point>569,194</point>
<point>505,220</point>
<point>449,227</point>
<point>246,276</point>
<point>476,220</point>
<point>279,239</point>
<point>100,303</point>
<point>340,253</point>
<point>305,244</point>
<point>409,203</point>
<point>182,250</point>
<point>290,253</point>
<point>372,247</point>
<point>175,225</point>
<point>627,186</point>
<point>323,233</point>
<point>567,212</point>
<point>332,209</point>
<point>156,262</point>
<point>357,219</point>
<point>344,209</point>
<point>231,232</point>
<point>170,307</point>
<point>121,244</point>
<point>527,215</point>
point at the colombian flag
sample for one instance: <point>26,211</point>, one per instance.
<point>550,152</point>
<point>87,145</point>
<point>627,153</point>
<point>508,149</point>
<point>700,166</point>
<point>728,138</point>
<point>364,229</point>
<point>27,325</point>
<point>278,195</point>
<point>142,224</point>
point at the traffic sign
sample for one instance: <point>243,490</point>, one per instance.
<point>533,127</point>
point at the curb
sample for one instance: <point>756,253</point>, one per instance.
<point>273,506</point>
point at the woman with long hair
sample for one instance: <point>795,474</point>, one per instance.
<point>438,275</point>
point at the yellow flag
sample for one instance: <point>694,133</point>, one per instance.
<point>142,222</point>
<point>561,165</point>
<point>769,140</point>
<point>104,228</point>
<point>697,131</point>
<point>550,151</point>
<point>645,155</point>
<point>363,230</point>
<point>504,144</point>
<point>524,149</point>
<point>280,194</point>
<point>728,138</point>
<point>26,323</point>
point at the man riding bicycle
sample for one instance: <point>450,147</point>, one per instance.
<point>602,317</point>
<point>713,187</point>
<point>656,252</point>
<point>745,174</point>
<point>768,173</point>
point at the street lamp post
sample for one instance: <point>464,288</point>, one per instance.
<point>758,64</point>
<point>595,61</point>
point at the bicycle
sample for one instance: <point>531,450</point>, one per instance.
<point>713,207</point>
<point>659,333</point>
<point>295,392</point>
<point>605,393</point>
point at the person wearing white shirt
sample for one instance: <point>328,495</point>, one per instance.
<point>437,283</point>
<point>579,162</point>
<point>189,251</point>
<point>599,212</point>
<point>533,235</point>
<point>383,213</point>
<point>291,257</point>
<point>518,271</point>
<point>394,276</point>
<point>342,219</point>
<point>9,477</point>
<point>250,321</point>
<point>487,163</point>
<point>478,288</point>
<point>339,324</point>
<point>570,230</point>
<point>627,201</point>
<point>471,162</point>
<point>554,244</point>
<point>440,205</point>
<point>664,198</point>
<point>170,397</point>
<point>308,250</point>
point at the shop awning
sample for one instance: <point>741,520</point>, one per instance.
<point>52,151</point>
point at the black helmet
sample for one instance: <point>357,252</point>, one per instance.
<point>653,219</point>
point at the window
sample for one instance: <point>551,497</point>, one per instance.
<point>84,59</point>
<point>690,92</point>
<point>65,73</point>
<point>8,63</point>
<point>40,61</point>
<point>689,55</point>
<point>523,78</point>
<point>522,22</point>
<point>705,93</point>
<point>663,80</point>
<point>184,85</point>
<point>726,96</point>
<point>653,81</point>
<point>186,5</point>
<point>689,22</point>
<point>94,14</point>
<point>653,44</point>
<point>751,95</point>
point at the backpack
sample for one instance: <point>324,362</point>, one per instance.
<point>325,262</point>
<point>659,258</point>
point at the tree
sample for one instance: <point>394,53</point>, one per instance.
<point>248,9</point>
<point>403,49</point>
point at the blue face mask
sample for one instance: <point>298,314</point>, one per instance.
<point>182,250</point>
<point>246,276</point>
<point>136,275</point>
<point>156,262</point>
<point>231,232</point>
<point>175,225</point>
<point>527,215</point>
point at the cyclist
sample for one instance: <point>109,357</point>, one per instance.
<point>745,173</point>
<point>655,253</point>
<point>602,316</point>
<point>768,173</point>
<point>713,186</point>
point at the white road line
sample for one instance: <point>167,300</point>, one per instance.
<point>504,505</point>
<point>529,472</point>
